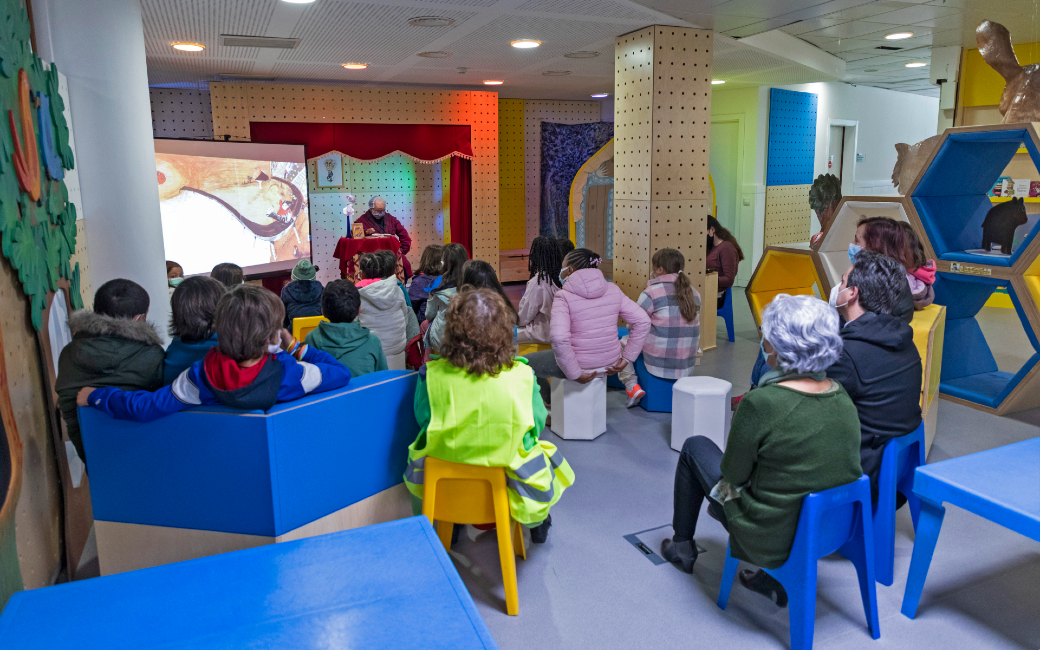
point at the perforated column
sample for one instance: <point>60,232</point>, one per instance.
<point>662,195</point>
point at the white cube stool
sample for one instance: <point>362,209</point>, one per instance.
<point>700,407</point>
<point>579,411</point>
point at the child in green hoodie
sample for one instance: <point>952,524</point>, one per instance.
<point>343,337</point>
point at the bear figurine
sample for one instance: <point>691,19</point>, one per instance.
<point>999,225</point>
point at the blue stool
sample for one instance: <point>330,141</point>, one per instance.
<point>726,312</point>
<point>658,391</point>
<point>901,457</point>
<point>833,520</point>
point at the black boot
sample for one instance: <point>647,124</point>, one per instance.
<point>765,584</point>
<point>684,553</point>
<point>540,532</point>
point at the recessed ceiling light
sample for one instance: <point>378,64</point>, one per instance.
<point>355,66</point>
<point>583,54</point>
<point>716,82</point>
<point>525,43</point>
<point>188,47</point>
<point>556,73</point>
<point>493,82</point>
<point>601,95</point>
<point>431,21</point>
<point>898,36</point>
<point>916,64</point>
<point>434,55</point>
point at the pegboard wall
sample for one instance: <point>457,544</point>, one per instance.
<point>662,111</point>
<point>787,214</point>
<point>235,105</point>
<point>181,113</point>
<point>512,223</point>
<point>792,137</point>
<point>413,191</point>
<point>536,112</point>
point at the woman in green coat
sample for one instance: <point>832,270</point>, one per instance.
<point>796,433</point>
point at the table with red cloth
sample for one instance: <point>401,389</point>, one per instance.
<point>349,251</point>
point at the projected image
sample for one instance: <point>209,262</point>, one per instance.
<point>218,210</point>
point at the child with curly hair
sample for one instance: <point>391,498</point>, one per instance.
<point>479,405</point>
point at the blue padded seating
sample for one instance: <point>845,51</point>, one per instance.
<point>253,472</point>
<point>726,312</point>
<point>658,391</point>
<point>833,520</point>
<point>901,457</point>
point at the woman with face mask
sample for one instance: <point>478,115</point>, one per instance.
<point>724,256</point>
<point>899,242</point>
<point>174,274</point>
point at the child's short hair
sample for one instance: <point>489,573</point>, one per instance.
<point>566,246</point>
<point>192,308</point>
<point>248,319</point>
<point>228,274</point>
<point>430,263</point>
<point>121,298</point>
<point>389,263</point>
<point>371,266</point>
<point>341,301</point>
<point>478,332</point>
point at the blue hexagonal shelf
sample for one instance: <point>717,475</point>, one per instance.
<point>951,196</point>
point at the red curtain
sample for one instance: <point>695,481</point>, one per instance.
<point>424,142</point>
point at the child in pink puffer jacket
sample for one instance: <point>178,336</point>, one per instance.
<point>583,327</point>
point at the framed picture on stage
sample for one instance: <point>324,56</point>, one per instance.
<point>330,170</point>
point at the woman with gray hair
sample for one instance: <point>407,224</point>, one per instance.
<point>796,433</point>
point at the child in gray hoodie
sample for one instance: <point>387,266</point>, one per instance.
<point>384,310</point>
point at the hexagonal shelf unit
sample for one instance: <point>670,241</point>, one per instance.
<point>950,200</point>
<point>783,269</point>
<point>832,255</point>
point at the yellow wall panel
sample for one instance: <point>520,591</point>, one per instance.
<point>787,214</point>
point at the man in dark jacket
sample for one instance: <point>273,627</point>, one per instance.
<point>880,367</point>
<point>302,296</point>
<point>111,346</point>
<point>377,221</point>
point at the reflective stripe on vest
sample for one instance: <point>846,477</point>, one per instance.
<point>530,492</point>
<point>414,473</point>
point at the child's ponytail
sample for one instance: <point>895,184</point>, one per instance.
<point>670,261</point>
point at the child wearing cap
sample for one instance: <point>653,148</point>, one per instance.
<point>302,296</point>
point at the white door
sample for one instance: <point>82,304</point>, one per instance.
<point>725,171</point>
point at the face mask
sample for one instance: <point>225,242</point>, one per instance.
<point>762,347</point>
<point>175,281</point>
<point>835,292</point>
<point>563,280</point>
<point>274,348</point>
<point>853,251</point>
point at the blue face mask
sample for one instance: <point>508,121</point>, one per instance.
<point>853,251</point>
<point>762,347</point>
<point>563,280</point>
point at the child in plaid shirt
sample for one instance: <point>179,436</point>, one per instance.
<point>670,351</point>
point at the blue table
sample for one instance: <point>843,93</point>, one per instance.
<point>1002,485</point>
<point>384,586</point>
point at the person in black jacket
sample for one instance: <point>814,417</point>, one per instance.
<point>880,367</point>
<point>302,296</point>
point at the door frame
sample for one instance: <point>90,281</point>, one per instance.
<point>848,155</point>
<point>745,232</point>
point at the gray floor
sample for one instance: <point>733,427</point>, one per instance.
<point>588,587</point>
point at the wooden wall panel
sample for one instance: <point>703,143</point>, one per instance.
<point>788,216</point>
<point>631,245</point>
<point>536,112</point>
<point>181,113</point>
<point>633,108</point>
<point>512,216</point>
<point>235,105</point>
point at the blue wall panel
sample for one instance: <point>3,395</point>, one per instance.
<point>792,137</point>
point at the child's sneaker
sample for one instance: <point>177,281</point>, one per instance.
<point>635,395</point>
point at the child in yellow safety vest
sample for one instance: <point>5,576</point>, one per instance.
<point>477,404</point>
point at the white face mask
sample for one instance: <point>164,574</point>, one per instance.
<point>835,292</point>
<point>274,348</point>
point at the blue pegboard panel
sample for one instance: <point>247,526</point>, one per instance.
<point>792,137</point>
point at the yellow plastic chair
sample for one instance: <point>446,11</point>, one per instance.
<point>528,348</point>
<point>304,324</point>
<point>469,494</point>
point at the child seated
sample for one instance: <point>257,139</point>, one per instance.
<point>247,369</point>
<point>670,351</point>
<point>111,346</point>
<point>192,308</point>
<point>302,296</point>
<point>419,289</point>
<point>389,262</point>
<point>228,274</point>
<point>544,264</point>
<point>353,345</point>
<point>383,308</point>
<point>442,290</point>
<point>479,405</point>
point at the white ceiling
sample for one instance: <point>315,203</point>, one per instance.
<point>377,32</point>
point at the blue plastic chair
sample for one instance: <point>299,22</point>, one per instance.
<point>901,457</point>
<point>726,312</point>
<point>833,520</point>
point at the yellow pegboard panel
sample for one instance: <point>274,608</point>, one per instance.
<point>235,105</point>
<point>787,214</point>
<point>512,225</point>
<point>86,287</point>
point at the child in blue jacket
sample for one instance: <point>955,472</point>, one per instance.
<point>255,365</point>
